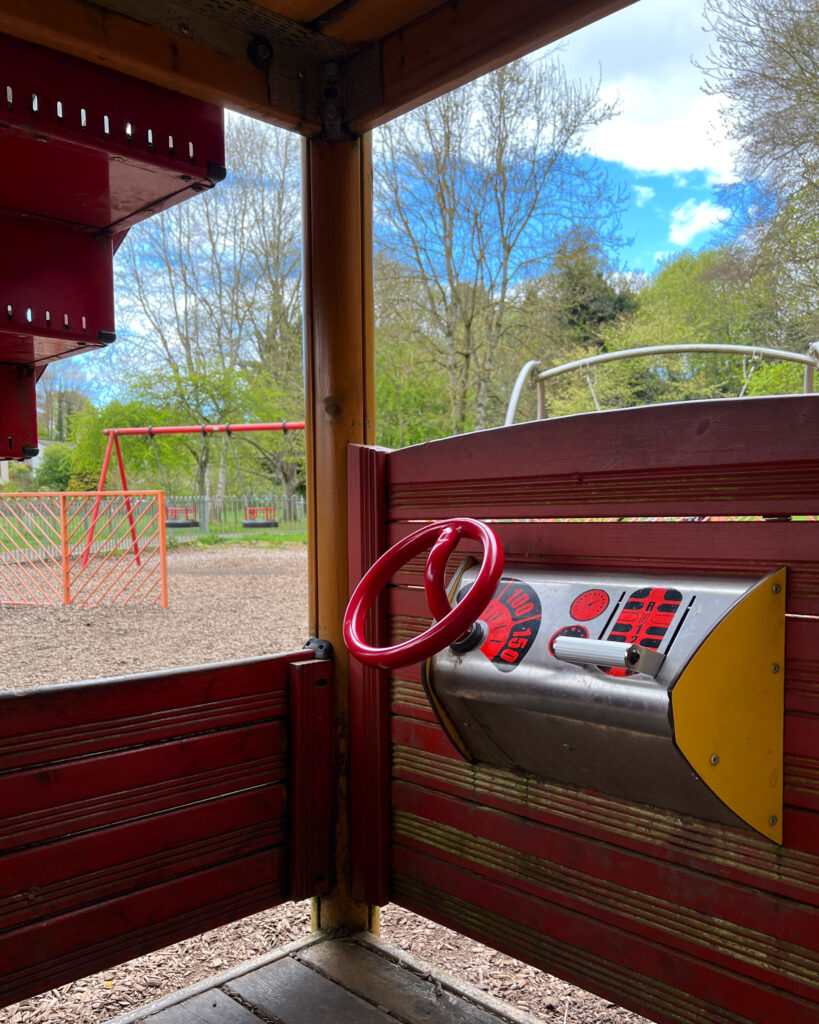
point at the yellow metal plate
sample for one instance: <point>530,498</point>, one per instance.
<point>728,707</point>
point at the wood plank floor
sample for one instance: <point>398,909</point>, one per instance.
<point>329,980</point>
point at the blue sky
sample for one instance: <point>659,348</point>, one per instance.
<point>667,146</point>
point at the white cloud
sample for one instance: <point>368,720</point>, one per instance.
<point>643,194</point>
<point>692,218</point>
<point>664,128</point>
<point>644,57</point>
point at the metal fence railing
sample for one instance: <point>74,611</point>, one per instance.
<point>190,516</point>
<point>50,554</point>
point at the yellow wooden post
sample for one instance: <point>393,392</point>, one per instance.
<point>337,200</point>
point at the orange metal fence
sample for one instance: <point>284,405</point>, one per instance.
<point>49,553</point>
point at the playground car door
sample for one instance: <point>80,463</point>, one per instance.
<point>148,808</point>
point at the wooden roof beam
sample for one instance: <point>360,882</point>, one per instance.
<point>458,42</point>
<point>199,50</point>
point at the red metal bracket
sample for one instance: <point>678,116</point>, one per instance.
<point>18,439</point>
<point>85,153</point>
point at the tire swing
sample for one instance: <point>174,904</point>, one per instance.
<point>255,517</point>
<point>177,517</point>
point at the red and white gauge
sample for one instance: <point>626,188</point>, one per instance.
<point>589,605</point>
<point>573,630</point>
<point>513,619</point>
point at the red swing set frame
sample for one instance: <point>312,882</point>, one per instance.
<point>114,433</point>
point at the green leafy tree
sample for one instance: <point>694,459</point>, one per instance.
<point>471,192</point>
<point>411,388</point>
<point>567,315</point>
<point>710,297</point>
<point>54,469</point>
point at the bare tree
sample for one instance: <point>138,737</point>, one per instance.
<point>765,61</point>
<point>210,296</point>
<point>472,193</point>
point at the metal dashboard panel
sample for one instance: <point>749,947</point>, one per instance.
<point>511,702</point>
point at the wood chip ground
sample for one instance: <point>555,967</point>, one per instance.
<point>232,602</point>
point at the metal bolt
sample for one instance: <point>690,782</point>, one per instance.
<point>260,53</point>
<point>775,667</point>
<point>715,759</point>
<point>777,588</point>
<point>773,819</point>
<point>331,69</point>
<point>330,111</point>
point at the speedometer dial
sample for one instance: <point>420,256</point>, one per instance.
<point>513,619</point>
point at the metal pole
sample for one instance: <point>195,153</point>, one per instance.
<point>64,546</point>
<point>100,488</point>
<point>205,428</point>
<point>526,376</point>
<point>127,499</point>
<point>163,549</point>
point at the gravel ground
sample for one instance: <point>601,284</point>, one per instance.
<point>232,602</point>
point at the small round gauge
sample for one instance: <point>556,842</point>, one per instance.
<point>589,605</point>
<point>577,631</point>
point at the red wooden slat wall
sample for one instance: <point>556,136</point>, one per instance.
<point>141,810</point>
<point>677,918</point>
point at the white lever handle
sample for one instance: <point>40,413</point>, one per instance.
<point>611,653</point>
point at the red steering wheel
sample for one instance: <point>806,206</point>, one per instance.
<point>451,622</point>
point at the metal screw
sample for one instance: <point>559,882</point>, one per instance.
<point>775,667</point>
<point>777,588</point>
<point>715,759</point>
<point>773,819</point>
<point>331,69</point>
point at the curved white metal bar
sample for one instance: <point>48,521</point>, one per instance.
<point>529,372</point>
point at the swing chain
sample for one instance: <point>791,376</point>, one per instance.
<point>585,369</point>
<point>232,446</point>
<point>748,370</point>
<point>164,480</point>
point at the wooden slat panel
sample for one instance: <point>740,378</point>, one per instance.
<point>369,697</point>
<point>310,750</point>
<point>744,549</point>
<point>754,457</point>
<point>635,974</point>
<point>682,919</point>
<point>687,911</point>
<point>138,811</point>
<point>37,884</point>
<point>53,800</point>
<point>73,719</point>
<point>53,952</point>
<point>422,755</point>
